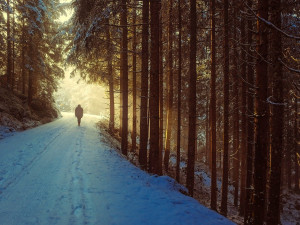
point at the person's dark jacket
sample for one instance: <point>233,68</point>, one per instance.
<point>79,112</point>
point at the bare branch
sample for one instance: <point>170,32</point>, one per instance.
<point>272,25</point>
<point>289,68</point>
<point>274,103</point>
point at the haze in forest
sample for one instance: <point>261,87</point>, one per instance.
<point>74,90</point>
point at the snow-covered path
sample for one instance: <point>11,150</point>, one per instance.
<point>62,174</point>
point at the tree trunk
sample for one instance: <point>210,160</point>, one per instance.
<point>154,87</point>
<point>284,162</point>
<point>144,88</point>
<point>295,142</point>
<point>13,78</point>
<point>111,80</point>
<point>261,120</point>
<point>121,87</point>
<point>23,56</point>
<point>288,147</point>
<point>161,95</point>
<point>124,78</point>
<point>30,74</point>
<point>250,125</point>
<point>277,116</point>
<point>192,99</point>
<point>111,98</point>
<point>236,117</point>
<point>243,122</point>
<point>9,52</point>
<point>226,114</point>
<point>213,197</point>
<point>179,93</point>
<point>170,88</point>
<point>207,142</point>
<point>133,136</point>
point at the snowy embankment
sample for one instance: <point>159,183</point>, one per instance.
<point>59,173</point>
<point>16,115</point>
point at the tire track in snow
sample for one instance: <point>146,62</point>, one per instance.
<point>95,181</point>
<point>78,201</point>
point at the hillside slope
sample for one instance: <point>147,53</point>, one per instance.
<point>16,115</point>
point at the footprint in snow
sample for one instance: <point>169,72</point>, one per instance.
<point>77,211</point>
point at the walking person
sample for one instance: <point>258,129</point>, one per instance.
<point>79,114</point>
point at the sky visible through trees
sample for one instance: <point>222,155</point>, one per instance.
<point>74,91</point>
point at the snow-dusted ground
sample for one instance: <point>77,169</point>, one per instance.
<point>59,173</point>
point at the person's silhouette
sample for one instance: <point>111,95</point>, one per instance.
<point>79,114</point>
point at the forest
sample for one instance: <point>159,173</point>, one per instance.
<point>193,86</point>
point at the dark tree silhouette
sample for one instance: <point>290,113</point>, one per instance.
<point>261,119</point>
<point>192,99</point>
<point>277,115</point>
<point>154,87</point>
<point>144,88</point>
<point>179,92</point>
<point>124,78</point>
<point>212,116</point>
<point>170,88</point>
<point>226,112</point>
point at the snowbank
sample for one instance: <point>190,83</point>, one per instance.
<point>16,115</point>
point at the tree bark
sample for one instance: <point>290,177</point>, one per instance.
<point>288,148</point>
<point>144,88</point>
<point>207,122</point>
<point>124,78</point>
<point>243,122</point>
<point>179,93</point>
<point>277,116</point>
<point>250,125</point>
<point>111,98</point>
<point>236,117</point>
<point>30,73</point>
<point>161,95</point>
<point>295,142</point>
<point>170,88</point>
<point>192,99</point>
<point>134,118</point>
<point>23,56</point>
<point>226,113</point>
<point>110,80</point>
<point>154,87</point>
<point>213,197</point>
<point>9,49</point>
<point>13,73</point>
<point>261,119</point>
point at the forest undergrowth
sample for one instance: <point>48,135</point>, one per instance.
<point>17,115</point>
